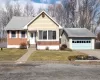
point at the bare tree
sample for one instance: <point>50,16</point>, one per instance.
<point>88,13</point>
<point>29,9</point>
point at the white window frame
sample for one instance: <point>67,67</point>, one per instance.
<point>47,36</point>
<point>11,34</point>
<point>52,31</point>
<point>42,34</point>
<point>20,35</point>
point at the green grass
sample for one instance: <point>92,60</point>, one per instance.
<point>11,54</point>
<point>52,55</point>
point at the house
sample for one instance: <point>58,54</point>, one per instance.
<point>78,38</point>
<point>39,32</point>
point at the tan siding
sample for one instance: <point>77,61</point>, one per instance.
<point>44,24</point>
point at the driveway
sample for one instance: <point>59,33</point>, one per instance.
<point>95,53</point>
<point>49,72</point>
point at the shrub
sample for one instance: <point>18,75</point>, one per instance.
<point>81,57</point>
<point>77,57</point>
<point>47,48</point>
<point>23,45</point>
<point>72,58</point>
<point>62,48</point>
<point>64,45</point>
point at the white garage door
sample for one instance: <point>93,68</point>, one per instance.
<point>81,44</point>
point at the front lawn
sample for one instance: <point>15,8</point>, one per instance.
<point>52,55</point>
<point>11,54</point>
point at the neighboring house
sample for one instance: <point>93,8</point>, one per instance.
<point>40,32</point>
<point>78,38</point>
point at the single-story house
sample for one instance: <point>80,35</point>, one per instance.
<point>39,32</point>
<point>78,38</point>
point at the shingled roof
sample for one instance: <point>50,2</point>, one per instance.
<point>79,32</point>
<point>18,23</point>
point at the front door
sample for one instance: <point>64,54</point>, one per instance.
<point>33,38</point>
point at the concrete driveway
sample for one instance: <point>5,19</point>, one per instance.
<point>95,53</point>
<point>49,72</point>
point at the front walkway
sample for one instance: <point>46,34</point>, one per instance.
<point>95,53</point>
<point>25,57</point>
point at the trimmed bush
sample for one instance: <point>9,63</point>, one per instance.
<point>23,46</point>
<point>77,57</point>
<point>63,47</point>
<point>47,48</point>
<point>72,58</point>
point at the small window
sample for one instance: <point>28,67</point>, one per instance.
<point>13,34</point>
<point>84,41</point>
<point>72,41</point>
<point>77,41</point>
<point>80,41</point>
<point>23,34</point>
<point>89,41</point>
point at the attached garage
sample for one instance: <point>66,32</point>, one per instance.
<point>78,38</point>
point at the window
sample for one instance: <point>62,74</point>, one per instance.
<point>13,34</point>
<point>81,41</point>
<point>42,34</point>
<point>51,34</point>
<point>31,35</point>
<point>22,34</point>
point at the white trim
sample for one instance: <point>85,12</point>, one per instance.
<point>48,40</point>
<point>39,15</point>
<point>25,27</point>
<point>70,43</point>
<point>43,47</point>
<point>10,36</point>
<point>14,46</point>
<point>93,43</point>
<point>47,36</point>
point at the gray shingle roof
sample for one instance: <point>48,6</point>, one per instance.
<point>18,23</point>
<point>79,32</point>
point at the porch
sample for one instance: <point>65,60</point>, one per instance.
<point>42,39</point>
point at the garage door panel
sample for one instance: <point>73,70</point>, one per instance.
<point>82,44</point>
